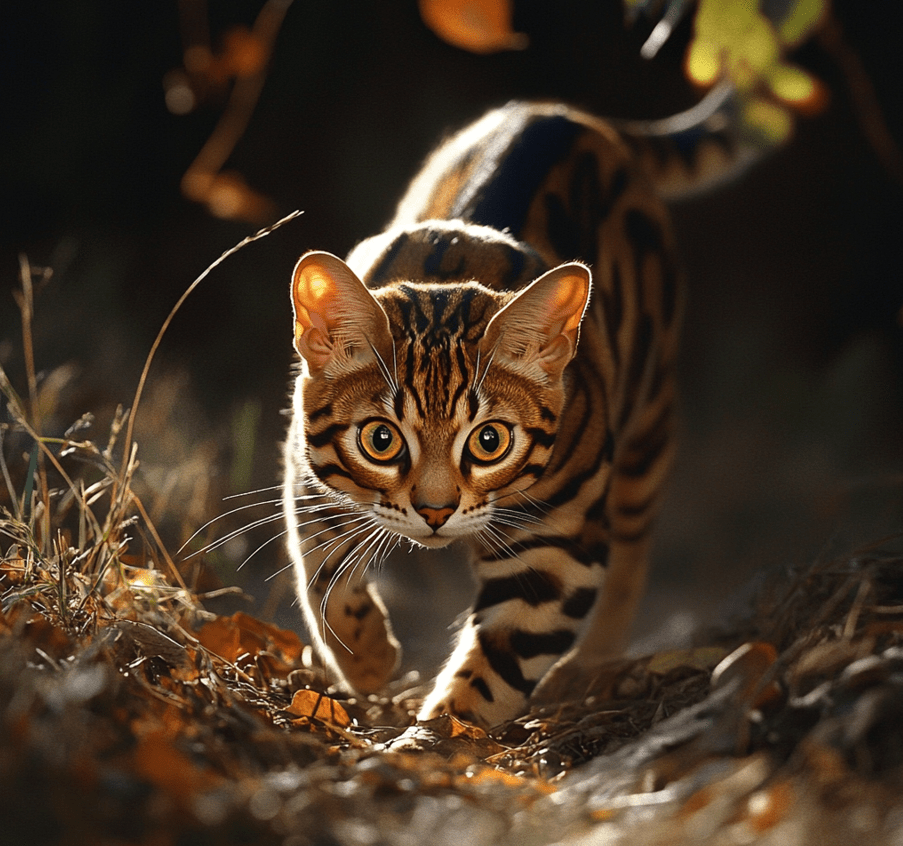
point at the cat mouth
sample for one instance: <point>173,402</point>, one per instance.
<point>420,535</point>
<point>433,541</point>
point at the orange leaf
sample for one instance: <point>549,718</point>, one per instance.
<point>481,26</point>
<point>748,664</point>
<point>13,571</point>
<point>308,703</point>
<point>244,52</point>
<point>459,728</point>
<point>242,634</point>
<point>282,641</point>
<point>487,775</point>
<point>221,637</point>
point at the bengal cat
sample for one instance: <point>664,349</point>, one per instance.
<point>495,369</point>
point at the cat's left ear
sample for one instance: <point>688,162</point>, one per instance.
<point>541,325</point>
<point>337,319</point>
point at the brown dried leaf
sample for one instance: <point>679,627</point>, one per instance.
<point>448,736</point>
<point>241,634</point>
<point>149,641</point>
<point>309,703</point>
<point>12,571</point>
<point>748,663</point>
<point>481,26</point>
<point>223,638</point>
<point>825,659</point>
<point>244,53</point>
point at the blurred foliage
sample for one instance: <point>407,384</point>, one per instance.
<point>736,40</point>
<point>241,62</point>
<point>733,39</point>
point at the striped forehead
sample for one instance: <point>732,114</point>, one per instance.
<point>436,329</point>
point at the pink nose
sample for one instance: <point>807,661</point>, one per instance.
<point>435,517</point>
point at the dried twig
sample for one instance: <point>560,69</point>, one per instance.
<point>262,233</point>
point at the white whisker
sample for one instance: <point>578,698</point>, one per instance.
<point>281,569</point>
<point>539,505</point>
<point>390,542</point>
<point>395,364</point>
<point>337,540</point>
<point>487,539</point>
<point>336,543</point>
<point>262,521</point>
<point>210,547</point>
<point>500,542</point>
<point>348,566</point>
<point>480,379</point>
<point>222,516</point>
<point>384,371</point>
<point>245,507</point>
<point>266,490</point>
<point>267,542</point>
<point>516,519</point>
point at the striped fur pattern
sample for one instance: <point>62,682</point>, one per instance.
<point>495,369</point>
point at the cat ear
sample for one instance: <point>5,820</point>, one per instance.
<point>337,319</point>
<point>541,325</point>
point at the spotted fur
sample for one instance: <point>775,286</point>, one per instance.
<point>496,368</point>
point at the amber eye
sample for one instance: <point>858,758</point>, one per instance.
<point>380,441</point>
<point>489,443</point>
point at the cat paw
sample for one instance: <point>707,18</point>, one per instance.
<point>469,705</point>
<point>445,735</point>
<point>573,680</point>
<point>362,643</point>
<point>370,667</point>
<point>415,738</point>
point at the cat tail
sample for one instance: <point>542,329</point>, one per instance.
<point>706,146</point>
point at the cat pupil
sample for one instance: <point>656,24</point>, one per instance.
<point>489,439</point>
<point>382,438</point>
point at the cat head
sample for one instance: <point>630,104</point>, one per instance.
<point>432,405</point>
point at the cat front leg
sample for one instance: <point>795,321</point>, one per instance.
<point>345,616</point>
<point>521,625</point>
<point>608,625</point>
<point>354,633</point>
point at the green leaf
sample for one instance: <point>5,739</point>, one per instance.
<point>801,20</point>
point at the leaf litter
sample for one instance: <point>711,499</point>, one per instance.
<point>132,714</point>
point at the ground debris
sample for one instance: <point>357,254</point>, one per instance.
<point>129,713</point>
<point>174,724</point>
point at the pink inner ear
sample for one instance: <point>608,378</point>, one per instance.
<point>569,302</point>
<point>315,346</point>
<point>314,294</point>
<point>556,354</point>
<point>330,302</point>
<point>542,322</point>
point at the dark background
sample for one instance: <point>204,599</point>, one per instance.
<point>793,360</point>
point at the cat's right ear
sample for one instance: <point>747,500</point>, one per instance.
<point>337,320</point>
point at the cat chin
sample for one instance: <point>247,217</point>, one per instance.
<point>433,541</point>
